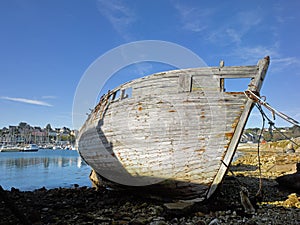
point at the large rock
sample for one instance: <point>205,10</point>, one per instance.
<point>96,180</point>
<point>290,180</point>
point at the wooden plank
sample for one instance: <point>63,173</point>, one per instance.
<point>255,85</point>
<point>184,83</point>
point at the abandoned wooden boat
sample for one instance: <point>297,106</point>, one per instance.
<point>175,132</point>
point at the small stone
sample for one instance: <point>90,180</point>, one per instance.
<point>174,221</point>
<point>178,205</point>
<point>250,222</point>
<point>200,222</point>
<point>158,223</point>
<point>121,222</point>
<point>139,221</point>
<point>200,214</point>
<point>101,219</point>
<point>215,222</point>
<point>126,218</point>
<point>144,205</point>
<point>159,209</point>
<point>234,214</point>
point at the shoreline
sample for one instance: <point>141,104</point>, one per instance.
<point>85,205</point>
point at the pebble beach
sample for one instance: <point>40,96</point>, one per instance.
<point>85,205</point>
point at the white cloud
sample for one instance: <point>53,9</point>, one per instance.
<point>234,28</point>
<point>118,14</point>
<point>252,54</point>
<point>248,19</point>
<point>280,64</point>
<point>228,31</point>
<point>143,69</point>
<point>288,61</point>
<point>216,29</point>
<point>27,101</point>
<point>192,18</point>
<point>233,35</point>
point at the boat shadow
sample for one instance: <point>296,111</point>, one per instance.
<point>114,176</point>
<point>243,167</point>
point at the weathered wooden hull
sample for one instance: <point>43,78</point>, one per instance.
<point>176,130</point>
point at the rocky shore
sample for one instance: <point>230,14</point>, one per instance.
<point>83,205</point>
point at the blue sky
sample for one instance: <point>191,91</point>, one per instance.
<point>46,47</point>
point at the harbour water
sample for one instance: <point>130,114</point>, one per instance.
<point>28,171</point>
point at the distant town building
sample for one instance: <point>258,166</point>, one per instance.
<point>24,134</point>
<point>249,138</point>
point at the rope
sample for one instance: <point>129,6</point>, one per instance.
<point>259,192</point>
<point>244,193</point>
<point>255,97</point>
<point>240,184</point>
<point>258,102</point>
<point>272,124</point>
